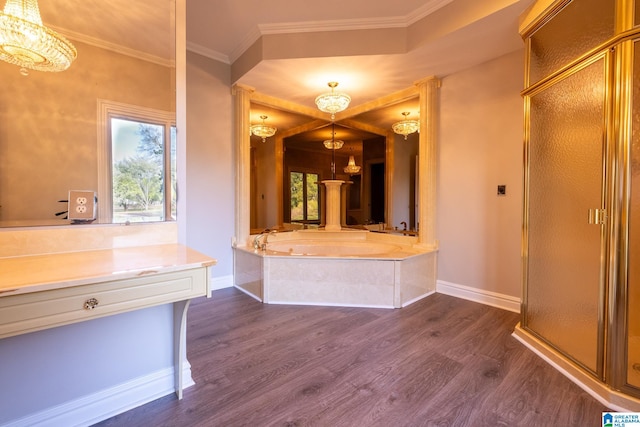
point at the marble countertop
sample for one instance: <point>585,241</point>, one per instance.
<point>35,273</point>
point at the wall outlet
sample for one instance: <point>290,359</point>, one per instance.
<point>82,205</point>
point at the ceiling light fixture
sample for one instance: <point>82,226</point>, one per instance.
<point>333,143</point>
<point>27,43</point>
<point>406,126</point>
<point>262,130</point>
<point>333,102</point>
<point>351,167</point>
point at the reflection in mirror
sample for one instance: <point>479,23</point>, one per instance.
<point>381,196</point>
<point>49,122</point>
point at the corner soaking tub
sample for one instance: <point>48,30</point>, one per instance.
<point>343,268</point>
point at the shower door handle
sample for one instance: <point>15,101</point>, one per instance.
<point>597,216</point>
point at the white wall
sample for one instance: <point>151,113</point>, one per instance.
<point>210,175</point>
<point>71,365</point>
<point>480,147</point>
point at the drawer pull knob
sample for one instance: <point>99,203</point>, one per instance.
<point>90,304</point>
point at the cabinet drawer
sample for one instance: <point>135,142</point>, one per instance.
<point>39,310</point>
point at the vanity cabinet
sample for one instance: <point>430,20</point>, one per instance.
<point>46,291</point>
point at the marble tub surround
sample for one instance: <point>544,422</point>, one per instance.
<point>394,273</point>
<point>320,236</point>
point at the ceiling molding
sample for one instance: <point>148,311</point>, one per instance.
<point>332,25</point>
<point>309,126</point>
<point>209,53</point>
<point>336,25</point>
<point>385,101</point>
<point>281,104</point>
<point>355,124</point>
<point>93,41</point>
<point>425,10</point>
<point>245,44</point>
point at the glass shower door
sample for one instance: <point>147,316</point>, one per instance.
<point>564,235</point>
<point>633,266</point>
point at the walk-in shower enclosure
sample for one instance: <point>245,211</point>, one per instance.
<point>581,228</point>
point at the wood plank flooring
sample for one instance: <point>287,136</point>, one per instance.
<point>442,361</point>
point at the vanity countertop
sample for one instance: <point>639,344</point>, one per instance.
<point>35,273</point>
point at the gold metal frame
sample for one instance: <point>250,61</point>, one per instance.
<point>618,54</point>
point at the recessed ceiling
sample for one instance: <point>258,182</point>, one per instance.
<point>442,37</point>
<point>474,32</point>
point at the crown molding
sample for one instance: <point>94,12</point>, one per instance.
<point>93,41</point>
<point>337,25</point>
<point>245,44</point>
<point>209,53</point>
<point>425,10</point>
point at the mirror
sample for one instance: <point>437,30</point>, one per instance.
<point>49,125</point>
<point>383,191</point>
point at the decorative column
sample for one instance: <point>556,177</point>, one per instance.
<point>241,137</point>
<point>428,160</point>
<point>333,204</point>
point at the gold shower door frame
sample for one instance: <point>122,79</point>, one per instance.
<point>533,310</point>
<point>618,321</point>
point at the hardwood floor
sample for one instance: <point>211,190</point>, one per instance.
<point>442,361</point>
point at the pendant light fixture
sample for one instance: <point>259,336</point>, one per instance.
<point>406,127</point>
<point>333,102</point>
<point>351,167</point>
<point>333,143</point>
<point>262,130</point>
<point>27,43</point>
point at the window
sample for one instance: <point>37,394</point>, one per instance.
<point>137,169</point>
<point>304,197</point>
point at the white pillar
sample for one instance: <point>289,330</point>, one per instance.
<point>242,123</point>
<point>428,160</point>
<point>333,204</point>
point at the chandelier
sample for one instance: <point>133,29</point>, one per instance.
<point>351,167</point>
<point>406,126</point>
<point>333,102</point>
<point>27,43</point>
<point>333,143</point>
<point>262,130</point>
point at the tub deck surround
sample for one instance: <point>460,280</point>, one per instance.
<point>347,268</point>
<point>45,291</point>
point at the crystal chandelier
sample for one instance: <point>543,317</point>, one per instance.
<point>262,130</point>
<point>406,126</point>
<point>333,143</point>
<point>27,43</point>
<point>333,102</point>
<point>351,167</point>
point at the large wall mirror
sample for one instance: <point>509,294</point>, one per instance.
<point>285,169</point>
<point>50,126</point>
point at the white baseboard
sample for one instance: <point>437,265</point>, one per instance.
<point>494,299</point>
<point>222,282</point>
<point>104,404</point>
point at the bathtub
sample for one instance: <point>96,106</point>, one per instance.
<point>331,248</point>
<point>341,268</point>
